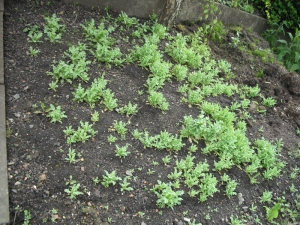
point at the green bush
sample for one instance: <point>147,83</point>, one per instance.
<point>279,11</point>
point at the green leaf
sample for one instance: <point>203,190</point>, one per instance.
<point>294,67</point>
<point>273,212</point>
<point>283,41</point>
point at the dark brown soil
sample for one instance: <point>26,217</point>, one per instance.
<point>38,171</point>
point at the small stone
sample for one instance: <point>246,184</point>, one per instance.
<point>252,107</point>
<point>17,183</point>
<point>186,219</point>
<point>31,126</point>
<point>122,208</point>
<point>97,193</point>
<point>240,198</point>
<point>16,96</point>
<point>35,154</point>
<point>42,177</point>
<point>128,172</point>
<point>68,202</point>
<point>262,108</point>
<point>143,223</point>
<point>82,169</point>
<point>245,208</point>
<point>17,115</point>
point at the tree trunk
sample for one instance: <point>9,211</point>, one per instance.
<point>169,12</point>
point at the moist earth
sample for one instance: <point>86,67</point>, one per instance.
<point>37,149</point>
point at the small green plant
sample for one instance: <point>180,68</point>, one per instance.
<point>235,40</point>
<point>166,159</point>
<point>120,127</point>
<point>236,221</point>
<point>95,117</point>
<point>129,109</point>
<point>34,33</point>
<point>155,163</point>
<point>82,134</point>
<point>150,172</point>
<point>269,102</point>
<point>71,156</point>
<point>289,52</point>
<point>122,151</point>
<point>194,223</point>
<point>27,217</point>
<point>96,180</point>
<point>230,188</point>
<point>294,173</point>
<point>180,72</point>
<point>125,185</point>
<point>111,139</point>
<point>272,213</point>
<point>55,114</point>
<point>141,214</point>
<point>266,197</point>
<point>193,148</point>
<point>53,85</point>
<point>156,99</point>
<point>110,178</point>
<point>73,192</point>
<point>166,196</point>
<point>53,29</point>
<point>33,52</point>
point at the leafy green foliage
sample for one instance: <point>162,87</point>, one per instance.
<point>82,134</point>
<point>289,51</point>
<point>55,114</point>
<point>105,54</point>
<point>76,69</point>
<point>27,217</point>
<point>148,53</point>
<point>129,109</point>
<point>272,213</point>
<point>96,93</point>
<point>125,185</point>
<point>71,156</point>
<point>73,192</point>
<point>279,12</point>
<point>208,187</point>
<point>53,29</point>
<point>182,54</point>
<point>156,99</point>
<point>34,33</point>
<point>180,72</point>
<point>122,151</point>
<point>33,51</point>
<point>164,140</point>
<point>126,20</point>
<point>96,35</point>
<point>215,30</point>
<point>120,127</point>
<point>166,197</point>
<point>110,178</point>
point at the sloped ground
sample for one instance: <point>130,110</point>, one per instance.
<point>37,148</point>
